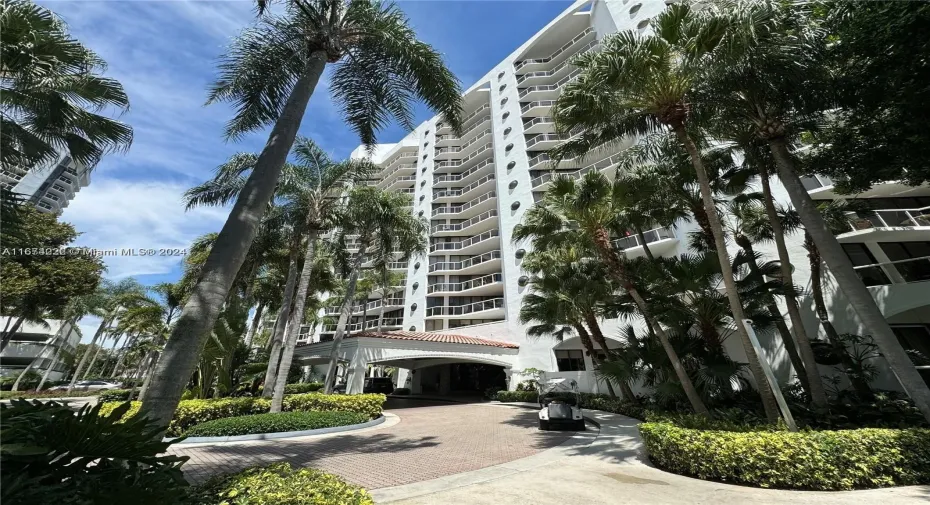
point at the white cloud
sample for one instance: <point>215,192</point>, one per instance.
<point>88,326</point>
<point>114,214</point>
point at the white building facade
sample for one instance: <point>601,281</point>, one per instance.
<point>46,343</point>
<point>50,188</point>
<point>475,188</point>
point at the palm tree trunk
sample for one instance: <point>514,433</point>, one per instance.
<point>80,367</point>
<point>618,271</point>
<point>127,344</point>
<point>861,386</point>
<point>589,347</point>
<point>32,363</point>
<point>90,367</point>
<point>280,325</point>
<point>345,316</point>
<point>180,355</point>
<point>149,372</point>
<point>296,320</point>
<point>849,282</point>
<point>384,294</point>
<point>8,335</point>
<point>642,240</point>
<point>799,366</point>
<point>726,269</point>
<point>144,364</point>
<point>818,394</point>
<point>598,336</point>
<point>259,309</point>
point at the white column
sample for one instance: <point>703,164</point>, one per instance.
<point>356,371</point>
<point>403,375</point>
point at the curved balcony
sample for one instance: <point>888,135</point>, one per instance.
<point>468,208</point>
<point>398,170</point>
<point>463,163</point>
<point>331,328</point>
<point>888,225</point>
<point>467,122</point>
<point>538,124</point>
<point>482,263</point>
<point>470,174</point>
<point>540,77</point>
<point>464,191</point>
<point>484,285</point>
<point>660,240</point>
<point>539,183</point>
<point>477,224</point>
<point>444,153</point>
<point>468,245</point>
<point>451,139</point>
<point>487,309</point>
<point>548,91</point>
<point>402,181</point>
<point>537,108</point>
<point>388,323</point>
<point>564,51</point>
<point>546,140</point>
<point>895,272</point>
<point>389,165</point>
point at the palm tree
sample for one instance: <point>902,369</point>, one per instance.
<point>385,227</point>
<point>52,93</point>
<point>639,85</point>
<point>584,213</point>
<point>773,77</point>
<point>75,309</point>
<point>386,283</point>
<point>269,74</point>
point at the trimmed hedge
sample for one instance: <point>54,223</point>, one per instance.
<point>821,460</point>
<point>192,412</point>
<point>115,395</point>
<point>6,395</point>
<point>302,388</point>
<point>276,422</point>
<point>280,484</point>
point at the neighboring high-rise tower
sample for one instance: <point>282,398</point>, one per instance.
<point>49,188</point>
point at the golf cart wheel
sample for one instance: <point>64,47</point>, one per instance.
<point>579,425</point>
<point>544,425</point>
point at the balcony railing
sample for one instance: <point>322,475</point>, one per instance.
<point>461,244</point>
<point>455,209</point>
<point>461,310</point>
<point>543,137</point>
<point>459,265</point>
<point>397,265</point>
<point>522,63</point>
<point>331,328</point>
<point>465,224</point>
<point>464,286</point>
<point>890,218</point>
<point>816,182</point>
<point>551,87</point>
<point>651,236</point>
<point>598,165</point>
<point>463,175</point>
<point>895,272</point>
<point>389,302</point>
<point>443,150</point>
<point>539,103</point>
<point>537,120</point>
<point>556,70</point>
<point>465,122</point>
<point>387,322</point>
<point>539,159</point>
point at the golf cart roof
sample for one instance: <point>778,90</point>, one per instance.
<point>558,385</point>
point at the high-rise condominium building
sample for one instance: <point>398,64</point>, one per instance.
<point>49,188</point>
<point>453,323</point>
<point>48,343</point>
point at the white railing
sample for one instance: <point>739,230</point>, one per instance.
<point>469,262</point>
<point>522,63</point>
<point>401,156</point>
<point>551,87</point>
<point>441,124</point>
<point>556,70</point>
<point>465,189</point>
<point>386,322</point>
<point>388,302</point>
<point>461,310</point>
<point>543,137</point>
<point>598,165</point>
<point>816,182</point>
<point>444,150</point>
<point>895,272</point>
<point>465,224</point>
<point>455,209</point>
<point>537,120</point>
<point>395,170</point>
<point>464,286</point>
<point>403,178</point>
<point>653,235</point>
<point>461,244</point>
<point>466,133</point>
<point>890,218</point>
<point>331,328</point>
<point>539,103</point>
<point>538,159</point>
<point>397,265</point>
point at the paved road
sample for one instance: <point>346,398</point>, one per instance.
<point>430,440</point>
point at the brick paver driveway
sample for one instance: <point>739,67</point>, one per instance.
<point>432,440</point>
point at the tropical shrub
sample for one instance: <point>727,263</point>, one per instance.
<point>515,396</point>
<point>822,460</point>
<point>280,484</point>
<point>276,422</point>
<point>193,412</point>
<point>588,401</point>
<point>50,454</point>
<point>4,395</point>
<point>302,387</point>
<point>114,395</point>
<point>402,391</point>
<point>30,381</point>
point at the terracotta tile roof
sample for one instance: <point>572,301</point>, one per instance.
<point>436,337</point>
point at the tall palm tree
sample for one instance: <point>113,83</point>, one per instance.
<point>385,227</point>
<point>269,74</point>
<point>76,308</point>
<point>638,85</point>
<point>386,283</point>
<point>773,77</point>
<point>584,213</point>
<point>52,93</point>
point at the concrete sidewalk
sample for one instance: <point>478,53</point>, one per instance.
<point>608,466</point>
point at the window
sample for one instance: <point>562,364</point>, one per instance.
<point>860,256</point>
<point>911,259</point>
<point>915,338</point>
<point>570,361</point>
<point>59,187</point>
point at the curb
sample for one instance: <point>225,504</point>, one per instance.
<point>274,436</point>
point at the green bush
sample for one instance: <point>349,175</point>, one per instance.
<point>192,412</point>
<point>4,395</point>
<point>516,396</point>
<point>822,460</point>
<point>302,387</point>
<point>30,381</point>
<point>50,454</point>
<point>402,391</point>
<point>279,484</point>
<point>588,401</point>
<point>114,395</point>
<point>277,422</point>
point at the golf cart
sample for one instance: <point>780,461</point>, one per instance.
<point>559,404</point>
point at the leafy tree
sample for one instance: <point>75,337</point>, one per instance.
<point>269,74</point>
<point>53,93</point>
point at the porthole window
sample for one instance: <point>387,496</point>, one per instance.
<point>413,328</point>
<point>520,253</point>
<point>505,116</point>
<point>423,170</point>
<point>413,307</point>
<point>502,88</point>
<point>416,285</point>
<point>509,147</point>
<point>426,143</point>
<point>515,206</point>
<point>512,185</point>
<point>507,130</point>
<point>500,76</point>
<point>634,9</point>
<point>416,265</point>
<point>421,213</point>
<point>422,197</point>
<point>426,132</point>
<point>422,183</point>
<point>504,101</point>
<point>424,155</point>
<point>642,24</point>
<point>511,165</point>
<point>523,280</point>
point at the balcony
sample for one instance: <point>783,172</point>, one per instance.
<point>478,204</point>
<point>538,183</point>
<point>465,191</point>
<point>445,153</point>
<point>397,265</point>
<point>546,140</point>
<point>537,108</point>
<point>488,219</point>
<point>487,309</point>
<point>404,180</point>
<point>539,77</point>
<point>390,164</point>
<point>481,263</point>
<point>465,246</point>
<point>485,285</point>
<point>467,123</point>
<point>895,272</point>
<point>888,225</point>
<point>331,328</point>
<point>566,49</point>
<point>660,240</point>
<point>538,124</point>
<point>548,91</point>
<point>387,324</point>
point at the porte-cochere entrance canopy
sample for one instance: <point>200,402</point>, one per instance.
<point>408,351</point>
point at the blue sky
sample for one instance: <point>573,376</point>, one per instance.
<point>164,53</point>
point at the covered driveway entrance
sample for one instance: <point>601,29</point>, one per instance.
<point>427,362</point>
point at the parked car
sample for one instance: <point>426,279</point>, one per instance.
<point>88,386</point>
